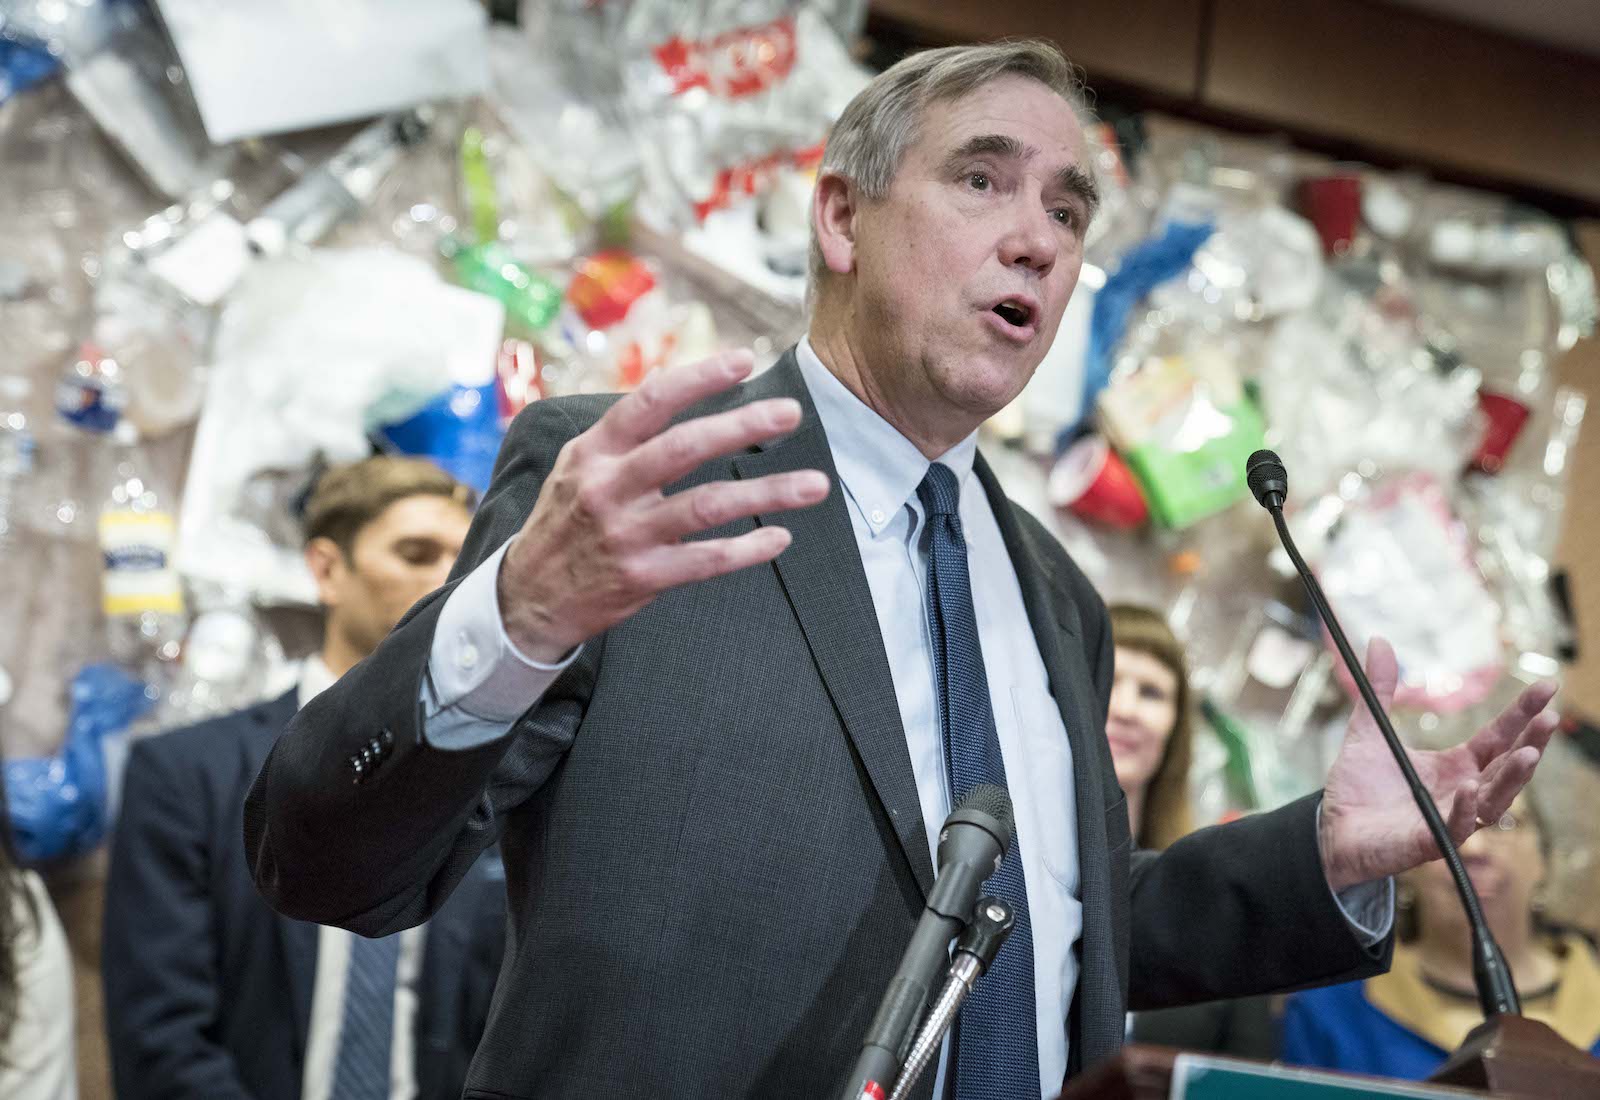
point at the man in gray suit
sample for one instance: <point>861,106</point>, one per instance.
<point>717,659</point>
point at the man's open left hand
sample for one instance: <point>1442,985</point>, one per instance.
<point>1371,828</point>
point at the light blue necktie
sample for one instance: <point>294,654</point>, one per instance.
<point>997,1039</point>
<point>361,1071</point>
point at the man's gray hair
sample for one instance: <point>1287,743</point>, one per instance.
<point>871,137</point>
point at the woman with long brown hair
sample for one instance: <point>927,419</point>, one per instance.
<point>1149,725</point>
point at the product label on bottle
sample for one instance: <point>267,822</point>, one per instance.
<point>137,574</point>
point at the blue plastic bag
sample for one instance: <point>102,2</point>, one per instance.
<point>58,803</point>
<point>21,67</point>
<point>459,431</point>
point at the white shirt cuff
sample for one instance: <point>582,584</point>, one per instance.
<point>478,683</point>
<point>1367,906</point>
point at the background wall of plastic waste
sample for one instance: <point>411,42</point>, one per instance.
<point>202,305</point>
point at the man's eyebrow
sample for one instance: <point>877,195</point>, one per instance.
<point>1076,181</point>
<point>994,145</point>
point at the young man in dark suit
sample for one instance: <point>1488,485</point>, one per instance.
<point>209,994</point>
<point>717,660</point>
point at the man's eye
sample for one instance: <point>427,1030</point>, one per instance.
<point>418,553</point>
<point>1065,215</point>
<point>978,181</point>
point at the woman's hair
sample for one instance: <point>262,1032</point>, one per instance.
<point>1167,815</point>
<point>18,918</point>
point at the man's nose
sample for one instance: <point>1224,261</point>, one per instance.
<point>1031,240</point>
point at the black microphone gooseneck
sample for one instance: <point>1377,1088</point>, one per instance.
<point>1497,993</point>
<point>971,844</point>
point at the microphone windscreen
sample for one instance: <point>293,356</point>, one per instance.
<point>993,800</point>
<point>1265,474</point>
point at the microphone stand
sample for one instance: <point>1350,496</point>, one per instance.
<point>1506,1052</point>
<point>971,844</point>
<point>992,921</point>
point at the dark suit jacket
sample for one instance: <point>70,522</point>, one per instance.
<point>207,990</point>
<point>713,843</point>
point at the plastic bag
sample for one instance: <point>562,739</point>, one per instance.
<point>1186,426</point>
<point>1163,256</point>
<point>460,431</point>
<point>21,67</point>
<point>58,804</point>
<point>311,356</point>
<point>348,60</point>
<point>1346,387</point>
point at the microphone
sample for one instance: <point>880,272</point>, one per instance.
<point>1497,993</point>
<point>972,843</point>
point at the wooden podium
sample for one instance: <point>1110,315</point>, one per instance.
<point>1508,1056</point>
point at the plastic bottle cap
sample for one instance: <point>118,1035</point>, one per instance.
<point>1184,563</point>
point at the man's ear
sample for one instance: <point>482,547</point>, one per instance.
<point>833,220</point>
<point>327,565</point>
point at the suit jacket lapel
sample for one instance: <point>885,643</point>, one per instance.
<point>825,582</point>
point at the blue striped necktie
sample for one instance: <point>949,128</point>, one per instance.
<point>361,1071</point>
<point>997,1041</point>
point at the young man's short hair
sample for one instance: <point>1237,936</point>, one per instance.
<point>347,498</point>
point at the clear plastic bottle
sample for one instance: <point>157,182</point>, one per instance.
<point>17,448</point>
<point>229,657</point>
<point>17,458</point>
<point>90,396</point>
<point>141,595</point>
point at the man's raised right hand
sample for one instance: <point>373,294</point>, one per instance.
<point>603,540</point>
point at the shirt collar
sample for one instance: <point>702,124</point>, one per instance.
<point>315,678</point>
<point>880,468</point>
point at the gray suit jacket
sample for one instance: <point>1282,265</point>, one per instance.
<point>712,838</point>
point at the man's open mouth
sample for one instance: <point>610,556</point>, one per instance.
<point>1014,312</point>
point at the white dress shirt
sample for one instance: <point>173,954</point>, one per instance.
<point>333,966</point>
<point>478,683</point>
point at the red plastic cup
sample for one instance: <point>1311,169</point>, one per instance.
<point>1092,482</point>
<point>1333,203</point>
<point>1506,417</point>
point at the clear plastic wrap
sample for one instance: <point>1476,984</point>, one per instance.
<point>1346,387</point>
<point>1399,565</point>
